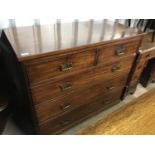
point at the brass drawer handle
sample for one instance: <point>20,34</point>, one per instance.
<point>66,122</point>
<point>66,86</point>
<point>110,87</point>
<point>66,66</point>
<point>65,106</point>
<point>116,69</point>
<point>120,51</point>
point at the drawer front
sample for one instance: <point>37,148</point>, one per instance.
<point>115,69</point>
<point>47,69</point>
<point>67,103</point>
<point>113,53</point>
<point>67,120</point>
<point>52,90</point>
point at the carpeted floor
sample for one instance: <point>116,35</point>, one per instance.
<point>135,118</point>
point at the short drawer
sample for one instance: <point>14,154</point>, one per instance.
<point>45,69</point>
<point>51,90</point>
<point>115,52</point>
<point>115,69</point>
<point>83,112</point>
<point>69,102</point>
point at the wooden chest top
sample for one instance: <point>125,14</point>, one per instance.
<point>38,41</point>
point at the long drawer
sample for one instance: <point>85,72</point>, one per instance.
<point>50,109</point>
<point>65,121</point>
<point>51,90</point>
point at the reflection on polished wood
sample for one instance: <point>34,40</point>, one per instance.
<point>138,117</point>
<point>29,42</point>
<point>37,37</point>
<point>103,29</point>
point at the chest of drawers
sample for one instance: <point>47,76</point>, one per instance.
<point>62,76</point>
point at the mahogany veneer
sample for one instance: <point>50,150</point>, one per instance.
<point>66,73</point>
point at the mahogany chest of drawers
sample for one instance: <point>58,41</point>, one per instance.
<point>66,73</point>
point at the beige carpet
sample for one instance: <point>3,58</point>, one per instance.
<point>137,117</point>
